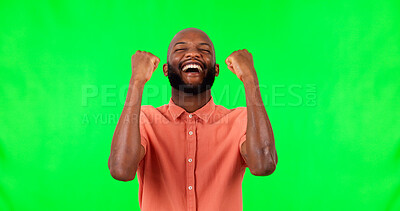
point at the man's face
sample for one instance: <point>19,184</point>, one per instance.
<point>191,65</point>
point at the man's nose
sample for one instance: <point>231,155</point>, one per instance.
<point>192,54</point>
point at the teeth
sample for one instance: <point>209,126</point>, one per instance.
<point>192,66</point>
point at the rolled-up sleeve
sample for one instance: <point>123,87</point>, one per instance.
<point>243,128</point>
<point>144,123</point>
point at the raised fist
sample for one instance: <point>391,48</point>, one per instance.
<point>240,62</point>
<point>143,66</point>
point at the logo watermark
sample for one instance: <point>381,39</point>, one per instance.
<point>274,95</point>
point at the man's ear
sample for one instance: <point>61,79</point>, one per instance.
<point>216,69</point>
<point>165,69</point>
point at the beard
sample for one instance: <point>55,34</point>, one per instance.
<point>176,81</point>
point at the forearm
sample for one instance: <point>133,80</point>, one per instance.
<point>126,147</point>
<point>260,145</point>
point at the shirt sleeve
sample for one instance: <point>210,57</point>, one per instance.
<point>243,118</point>
<point>241,141</point>
<point>143,124</point>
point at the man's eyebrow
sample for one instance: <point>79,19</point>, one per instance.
<point>203,43</point>
<point>180,43</point>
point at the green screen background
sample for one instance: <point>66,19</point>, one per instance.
<point>329,73</point>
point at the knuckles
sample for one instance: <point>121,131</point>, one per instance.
<point>143,55</point>
<point>242,53</point>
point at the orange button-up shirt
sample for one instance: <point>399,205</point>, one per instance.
<point>192,160</point>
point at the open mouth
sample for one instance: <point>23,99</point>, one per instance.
<point>192,68</point>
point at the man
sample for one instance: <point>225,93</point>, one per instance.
<point>191,154</point>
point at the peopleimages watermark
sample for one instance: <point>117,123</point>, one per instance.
<point>275,95</point>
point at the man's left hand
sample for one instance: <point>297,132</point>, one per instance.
<point>240,62</point>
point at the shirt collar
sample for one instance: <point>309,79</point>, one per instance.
<point>203,113</point>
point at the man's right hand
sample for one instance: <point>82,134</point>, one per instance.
<point>143,66</point>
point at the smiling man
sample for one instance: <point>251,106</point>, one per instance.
<point>191,154</point>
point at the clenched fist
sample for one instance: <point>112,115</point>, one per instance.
<point>143,66</point>
<point>241,64</point>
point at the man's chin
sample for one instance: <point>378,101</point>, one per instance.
<point>191,89</point>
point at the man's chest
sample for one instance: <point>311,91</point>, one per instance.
<point>182,145</point>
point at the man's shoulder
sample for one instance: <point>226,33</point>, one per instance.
<point>149,113</point>
<point>238,113</point>
<point>237,110</point>
<point>149,109</point>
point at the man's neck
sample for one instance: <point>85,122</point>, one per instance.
<point>190,102</point>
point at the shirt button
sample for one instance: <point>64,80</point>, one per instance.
<point>190,187</point>
<point>190,115</point>
<point>190,160</point>
<point>190,132</point>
